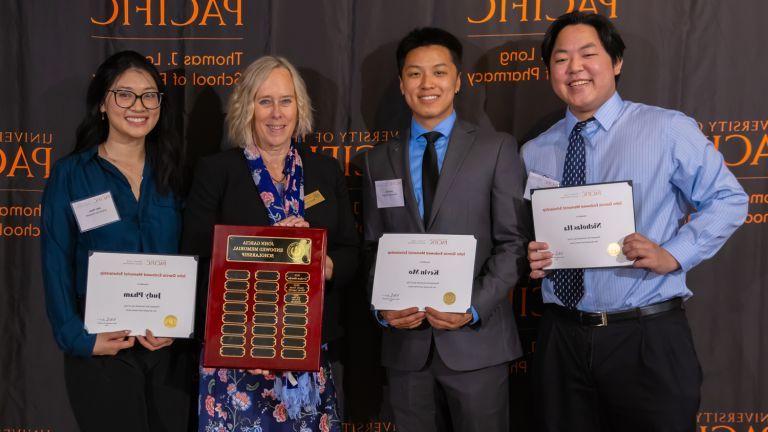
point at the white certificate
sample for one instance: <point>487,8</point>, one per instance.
<point>421,270</point>
<point>584,225</point>
<point>137,292</point>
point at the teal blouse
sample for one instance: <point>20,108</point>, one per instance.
<point>150,225</point>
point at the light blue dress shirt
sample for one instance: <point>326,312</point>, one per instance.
<point>675,171</point>
<point>417,144</point>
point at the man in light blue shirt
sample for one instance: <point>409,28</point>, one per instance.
<point>614,349</point>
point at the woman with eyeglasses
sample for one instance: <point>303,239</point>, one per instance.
<point>127,154</point>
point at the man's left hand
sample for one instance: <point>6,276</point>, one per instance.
<point>447,320</point>
<point>648,255</point>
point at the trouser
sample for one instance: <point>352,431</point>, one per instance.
<point>137,390</point>
<point>428,399</point>
<point>640,374</point>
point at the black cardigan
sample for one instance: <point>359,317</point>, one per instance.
<point>223,192</point>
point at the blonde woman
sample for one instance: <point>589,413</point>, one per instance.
<point>263,182</point>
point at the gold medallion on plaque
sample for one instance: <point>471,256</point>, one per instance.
<point>449,298</point>
<point>170,321</point>
<point>298,251</point>
<point>613,249</point>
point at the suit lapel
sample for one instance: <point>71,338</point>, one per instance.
<point>398,158</point>
<point>462,139</point>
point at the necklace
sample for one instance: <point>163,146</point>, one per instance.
<point>134,169</point>
<point>133,172</point>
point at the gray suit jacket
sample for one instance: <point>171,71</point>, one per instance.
<point>479,193</point>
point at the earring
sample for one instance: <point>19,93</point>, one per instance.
<point>102,116</point>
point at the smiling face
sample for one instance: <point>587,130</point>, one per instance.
<point>582,72</point>
<point>429,82</point>
<point>275,110</point>
<point>135,122</point>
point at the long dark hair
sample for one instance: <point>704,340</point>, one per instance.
<point>165,151</point>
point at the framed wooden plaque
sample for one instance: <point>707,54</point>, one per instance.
<point>265,298</point>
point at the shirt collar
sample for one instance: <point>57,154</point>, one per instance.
<point>606,115</point>
<point>90,153</point>
<point>444,127</point>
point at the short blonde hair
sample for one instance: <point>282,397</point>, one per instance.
<point>240,107</point>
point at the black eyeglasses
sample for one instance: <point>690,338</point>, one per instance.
<point>126,98</point>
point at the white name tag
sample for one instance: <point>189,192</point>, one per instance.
<point>95,211</point>
<point>389,193</point>
<point>538,181</point>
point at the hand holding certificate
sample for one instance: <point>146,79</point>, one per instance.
<point>420,270</point>
<point>584,225</point>
<point>140,292</point>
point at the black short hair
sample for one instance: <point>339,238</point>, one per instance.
<point>425,36</point>
<point>609,36</point>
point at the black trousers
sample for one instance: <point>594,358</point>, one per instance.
<point>137,390</point>
<point>436,398</point>
<point>635,375</point>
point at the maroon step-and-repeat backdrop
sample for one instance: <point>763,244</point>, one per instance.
<point>705,58</point>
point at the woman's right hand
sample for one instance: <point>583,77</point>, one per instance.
<point>111,342</point>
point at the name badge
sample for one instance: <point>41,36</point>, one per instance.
<point>538,181</point>
<point>312,199</point>
<point>95,212</point>
<point>389,193</point>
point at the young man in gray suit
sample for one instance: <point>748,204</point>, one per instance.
<point>456,179</point>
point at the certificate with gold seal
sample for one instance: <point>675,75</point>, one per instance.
<point>584,225</point>
<point>139,292</point>
<point>265,298</point>
<point>435,270</point>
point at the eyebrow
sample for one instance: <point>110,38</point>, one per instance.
<point>581,48</point>
<point>421,67</point>
<point>131,88</point>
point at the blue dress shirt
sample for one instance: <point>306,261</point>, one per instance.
<point>675,172</point>
<point>150,225</point>
<point>417,144</point>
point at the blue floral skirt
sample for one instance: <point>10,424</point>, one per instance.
<point>232,400</point>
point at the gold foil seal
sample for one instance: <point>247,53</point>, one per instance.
<point>449,298</point>
<point>613,249</point>
<point>298,251</point>
<point>170,321</point>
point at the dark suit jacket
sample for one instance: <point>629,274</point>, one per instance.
<point>479,193</point>
<point>223,192</point>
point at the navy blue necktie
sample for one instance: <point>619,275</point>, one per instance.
<point>569,283</point>
<point>429,173</point>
